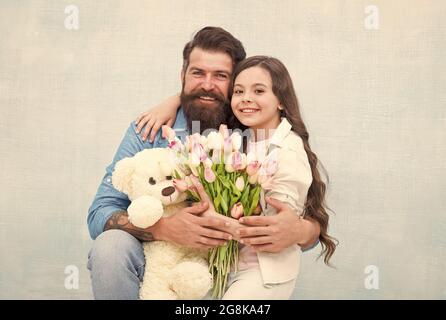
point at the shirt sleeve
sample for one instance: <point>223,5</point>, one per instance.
<point>108,200</point>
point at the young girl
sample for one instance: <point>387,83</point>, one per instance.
<point>264,100</point>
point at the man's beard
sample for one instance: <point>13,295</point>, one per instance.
<point>209,116</point>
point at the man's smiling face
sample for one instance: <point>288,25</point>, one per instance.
<point>205,86</point>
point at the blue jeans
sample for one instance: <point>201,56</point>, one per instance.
<point>116,263</point>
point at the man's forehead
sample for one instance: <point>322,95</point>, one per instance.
<point>210,60</point>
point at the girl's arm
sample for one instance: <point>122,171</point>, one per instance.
<point>153,119</point>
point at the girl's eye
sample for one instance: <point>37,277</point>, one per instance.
<point>238,91</point>
<point>169,177</point>
<point>152,181</point>
<point>259,91</point>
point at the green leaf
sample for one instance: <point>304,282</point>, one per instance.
<point>217,187</point>
<point>224,201</point>
<point>177,175</point>
<point>222,252</point>
<point>224,181</point>
<point>211,187</point>
<point>255,200</point>
<point>234,189</point>
<point>245,195</point>
<point>217,201</point>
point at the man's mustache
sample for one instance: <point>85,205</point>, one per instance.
<point>201,93</point>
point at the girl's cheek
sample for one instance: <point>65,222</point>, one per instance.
<point>233,104</point>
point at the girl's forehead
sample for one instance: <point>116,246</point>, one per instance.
<point>253,75</point>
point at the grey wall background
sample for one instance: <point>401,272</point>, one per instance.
<point>373,100</point>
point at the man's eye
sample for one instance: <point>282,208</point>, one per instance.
<point>152,181</point>
<point>169,177</point>
<point>222,76</point>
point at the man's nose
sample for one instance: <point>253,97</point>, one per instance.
<point>208,83</point>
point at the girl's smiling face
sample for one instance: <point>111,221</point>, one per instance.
<point>253,101</point>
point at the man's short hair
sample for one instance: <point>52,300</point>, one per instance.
<point>215,39</point>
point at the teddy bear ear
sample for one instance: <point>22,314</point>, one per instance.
<point>122,175</point>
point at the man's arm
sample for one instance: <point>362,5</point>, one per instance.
<point>187,227</point>
<point>108,200</point>
<point>120,220</point>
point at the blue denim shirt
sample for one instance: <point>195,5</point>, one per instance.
<point>108,200</point>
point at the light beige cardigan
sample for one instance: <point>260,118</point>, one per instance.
<point>290,185</point>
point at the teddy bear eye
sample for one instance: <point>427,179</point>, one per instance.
<point>169,177</point>
<point>152,181</point>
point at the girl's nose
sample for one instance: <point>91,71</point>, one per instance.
<point>246,98</point>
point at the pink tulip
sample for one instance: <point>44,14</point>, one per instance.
<point>270,167</point>
<point>180,185</point>
<point>257,211</point>
<point>252,168</point>
<point>237,211</point>
<point>237,162</point>
<point>176,145</point>
<point>198,150</point>
<point>253,179</point>
<point>265,181</point>
<point>209,175</point>
<point>168,133</point>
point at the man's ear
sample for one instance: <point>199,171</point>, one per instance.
<point>182,73</point>
<point>123,174</point>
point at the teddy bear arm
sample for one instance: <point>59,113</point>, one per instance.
<point>145,211</point>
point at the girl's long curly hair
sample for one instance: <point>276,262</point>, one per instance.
<point>315,207</point>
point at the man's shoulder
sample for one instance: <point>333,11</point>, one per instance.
<point>159,142</point>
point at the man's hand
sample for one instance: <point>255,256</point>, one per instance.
<point>275,233</point>
<point>230,226</point>
<point>188,227</point>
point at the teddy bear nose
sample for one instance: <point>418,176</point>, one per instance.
<point>167,191</point>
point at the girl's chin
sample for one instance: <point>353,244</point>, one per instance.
<point>248,120</point>
<point>245,122</point>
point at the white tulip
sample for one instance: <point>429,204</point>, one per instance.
<point>236,141</point>
<point>240,184</point>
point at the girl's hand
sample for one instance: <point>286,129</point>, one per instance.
<point>153,119</point>
<point>277,232</point>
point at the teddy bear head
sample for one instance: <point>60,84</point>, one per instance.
<point>148,173</point>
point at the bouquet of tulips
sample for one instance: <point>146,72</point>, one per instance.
<point>232,179</point>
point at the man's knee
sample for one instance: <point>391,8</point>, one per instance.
<point>115,247</point>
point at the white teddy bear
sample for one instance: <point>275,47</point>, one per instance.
<point>171,271</point>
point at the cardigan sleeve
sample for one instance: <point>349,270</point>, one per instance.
<point>292,179</point>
